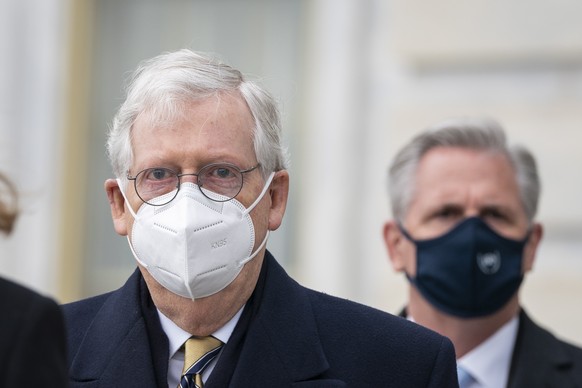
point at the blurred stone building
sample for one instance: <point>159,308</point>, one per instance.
<point>356,79</point>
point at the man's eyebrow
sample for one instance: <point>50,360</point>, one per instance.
<point>448,206</point>
<point>497,208</point>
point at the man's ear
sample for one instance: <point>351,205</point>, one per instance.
<point>395,244</point>
<point>117,204</point>
<point>279,192</point>
<point>531,247</point>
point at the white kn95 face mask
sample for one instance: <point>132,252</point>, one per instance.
<point>194,246</point>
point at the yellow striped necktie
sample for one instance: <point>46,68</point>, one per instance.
<point>198,353</point>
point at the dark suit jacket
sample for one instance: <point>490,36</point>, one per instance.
<point>541,360</point>
<point>32,339</point>
<point>297,338</point>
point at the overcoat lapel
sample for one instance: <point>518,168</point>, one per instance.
<point>282,345</point>
<point>118,344</point>
<point>538,359</point>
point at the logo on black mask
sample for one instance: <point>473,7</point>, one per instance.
<point>489,262</point>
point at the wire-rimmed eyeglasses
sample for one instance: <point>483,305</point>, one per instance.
<point>219,182</point>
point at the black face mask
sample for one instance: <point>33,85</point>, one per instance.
<point>470,271</point>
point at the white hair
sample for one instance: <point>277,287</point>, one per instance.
<point>472,133</point>
<point>162,85</point>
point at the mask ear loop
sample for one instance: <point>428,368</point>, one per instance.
<point>265,188</point>
<point>249,209</point>
<point>126,201</point>
<point>135,218</point>
<point>405,232</point>
<point>252,256</point>
<point>407,235</point>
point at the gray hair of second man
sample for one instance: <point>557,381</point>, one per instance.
<point>161,86</point>
<point>472,133</point>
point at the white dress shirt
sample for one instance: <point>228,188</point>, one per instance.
<point>177,337</point>
<point>489,362</point>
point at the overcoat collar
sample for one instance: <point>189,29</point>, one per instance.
<point>116,350</point>
<point>537,347</point>
<point>281,347</point>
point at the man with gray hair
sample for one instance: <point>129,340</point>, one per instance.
<point>201,180</point>
<point>464,233</point>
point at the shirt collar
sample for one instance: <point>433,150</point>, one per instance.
<point>489,362</point>
<point>177,336</point>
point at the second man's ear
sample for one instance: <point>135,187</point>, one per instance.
<point>395,245</point>
<point>530,250</point>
